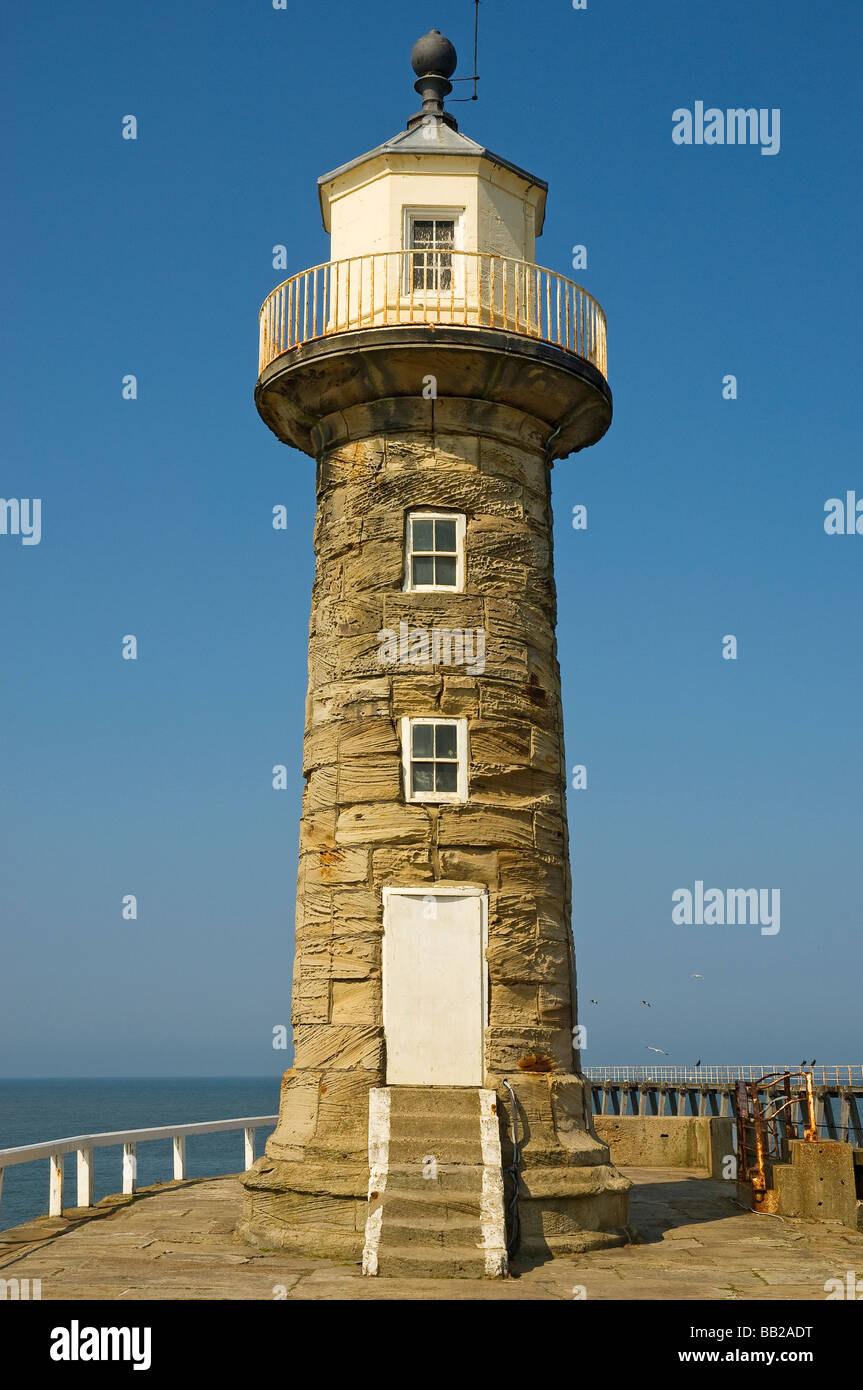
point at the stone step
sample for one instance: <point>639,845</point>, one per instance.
<point>448,1208</point>
<point>431,1102</point>
<point>426,1128</point>
<point>430,1263</point>
<point>412,1149</point>
<point>431,1219</point>
<point>430,1233</point>
<point>460,1179</point>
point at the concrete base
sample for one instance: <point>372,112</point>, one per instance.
<point>668,1141</point>
<point>312,1198</point>
<point>820,1182</point>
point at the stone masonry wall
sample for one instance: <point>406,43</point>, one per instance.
<point>357,833</point>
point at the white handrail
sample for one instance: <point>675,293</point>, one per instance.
<point>84,1144</point>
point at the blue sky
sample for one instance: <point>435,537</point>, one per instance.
<point>705,516</point>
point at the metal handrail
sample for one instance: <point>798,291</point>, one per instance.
<point>84,1144</point>
<point>471,289</point>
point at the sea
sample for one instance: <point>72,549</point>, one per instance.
<point>34,1111</point>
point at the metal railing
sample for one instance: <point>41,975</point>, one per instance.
<point>717,1075</point>
<point>470,289</point>
<point>84,1144</point>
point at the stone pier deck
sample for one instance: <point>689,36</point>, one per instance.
<point>175,1241</point>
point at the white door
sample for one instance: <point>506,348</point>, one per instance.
<point>434,988</point>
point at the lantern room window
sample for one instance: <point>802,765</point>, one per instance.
<point>431,237</point>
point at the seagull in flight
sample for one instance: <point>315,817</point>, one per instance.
<point>696,977</point>
<point>658,1049</point>
<point>594,1001</point>
<point>644,1001</point>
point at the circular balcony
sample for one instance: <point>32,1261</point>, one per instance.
<point>466,289</point>
<point>480,328</point>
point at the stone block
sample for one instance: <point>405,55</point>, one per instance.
<point>320,792</point>
<point>378,825</point>
<point>340,1047</point>
<point>335,865</point>
<point>476,867</point>
<point>369,779</point>
<point>401,867</point>
<point>356,1001</point>
<point>460,698</point>
<point>513,1005</point>
<point>371,737</point>
<point>493,826</point>
<point>416,695</point>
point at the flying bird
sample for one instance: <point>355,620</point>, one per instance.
<point>658,1049</point>
<point>644,1001</point>
<point>594,1001</point>
<point>696,977</point>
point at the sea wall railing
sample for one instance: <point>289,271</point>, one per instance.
<point>837,1093</point>
<point>470,289</point>
<point>823,1076</point>
<point>84,1144</point>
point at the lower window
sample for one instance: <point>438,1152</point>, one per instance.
<point>434,753</point>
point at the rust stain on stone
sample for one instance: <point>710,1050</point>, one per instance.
<point>536,1063</point>
<point>330,859</point>
<point>534,691</point>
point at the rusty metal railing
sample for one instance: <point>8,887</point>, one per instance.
<point>470,289</point>
<point>765,1124</point>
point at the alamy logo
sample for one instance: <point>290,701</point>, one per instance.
<point>20,1290</point>
<point>732,906</point>
<point>417,646</point>
<point>21,518</point>
<point>850,1288</point>
<point>735,126</point>
<point>844,516</point>
<point>77,1343</point>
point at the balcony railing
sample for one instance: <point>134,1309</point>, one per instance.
<point>468,289</point>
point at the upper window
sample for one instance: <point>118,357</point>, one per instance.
<point>435,759</point>
<point>431,236</point>
<point>435,551</point>
<point>432,241</point>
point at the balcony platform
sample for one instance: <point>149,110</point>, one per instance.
<point>306,384</point>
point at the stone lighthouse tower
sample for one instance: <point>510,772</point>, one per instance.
<point>434,372</point>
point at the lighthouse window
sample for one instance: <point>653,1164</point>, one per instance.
<point>435,551</point>
<point>435,758</point>
<point>432,242</point>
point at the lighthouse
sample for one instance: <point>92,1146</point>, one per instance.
<point>435,1119</point>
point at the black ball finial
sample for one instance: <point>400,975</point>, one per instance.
<point>434,60</point>
<point>433,53</point>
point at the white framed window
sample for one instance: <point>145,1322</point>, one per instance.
<point>434,552</point>
<point>434,757</point>
<point>431,235</point>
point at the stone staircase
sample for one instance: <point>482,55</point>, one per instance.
<point>435,1183</point>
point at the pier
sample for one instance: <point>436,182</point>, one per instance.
<point>176,1241</point>
<point>690,1235</point>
